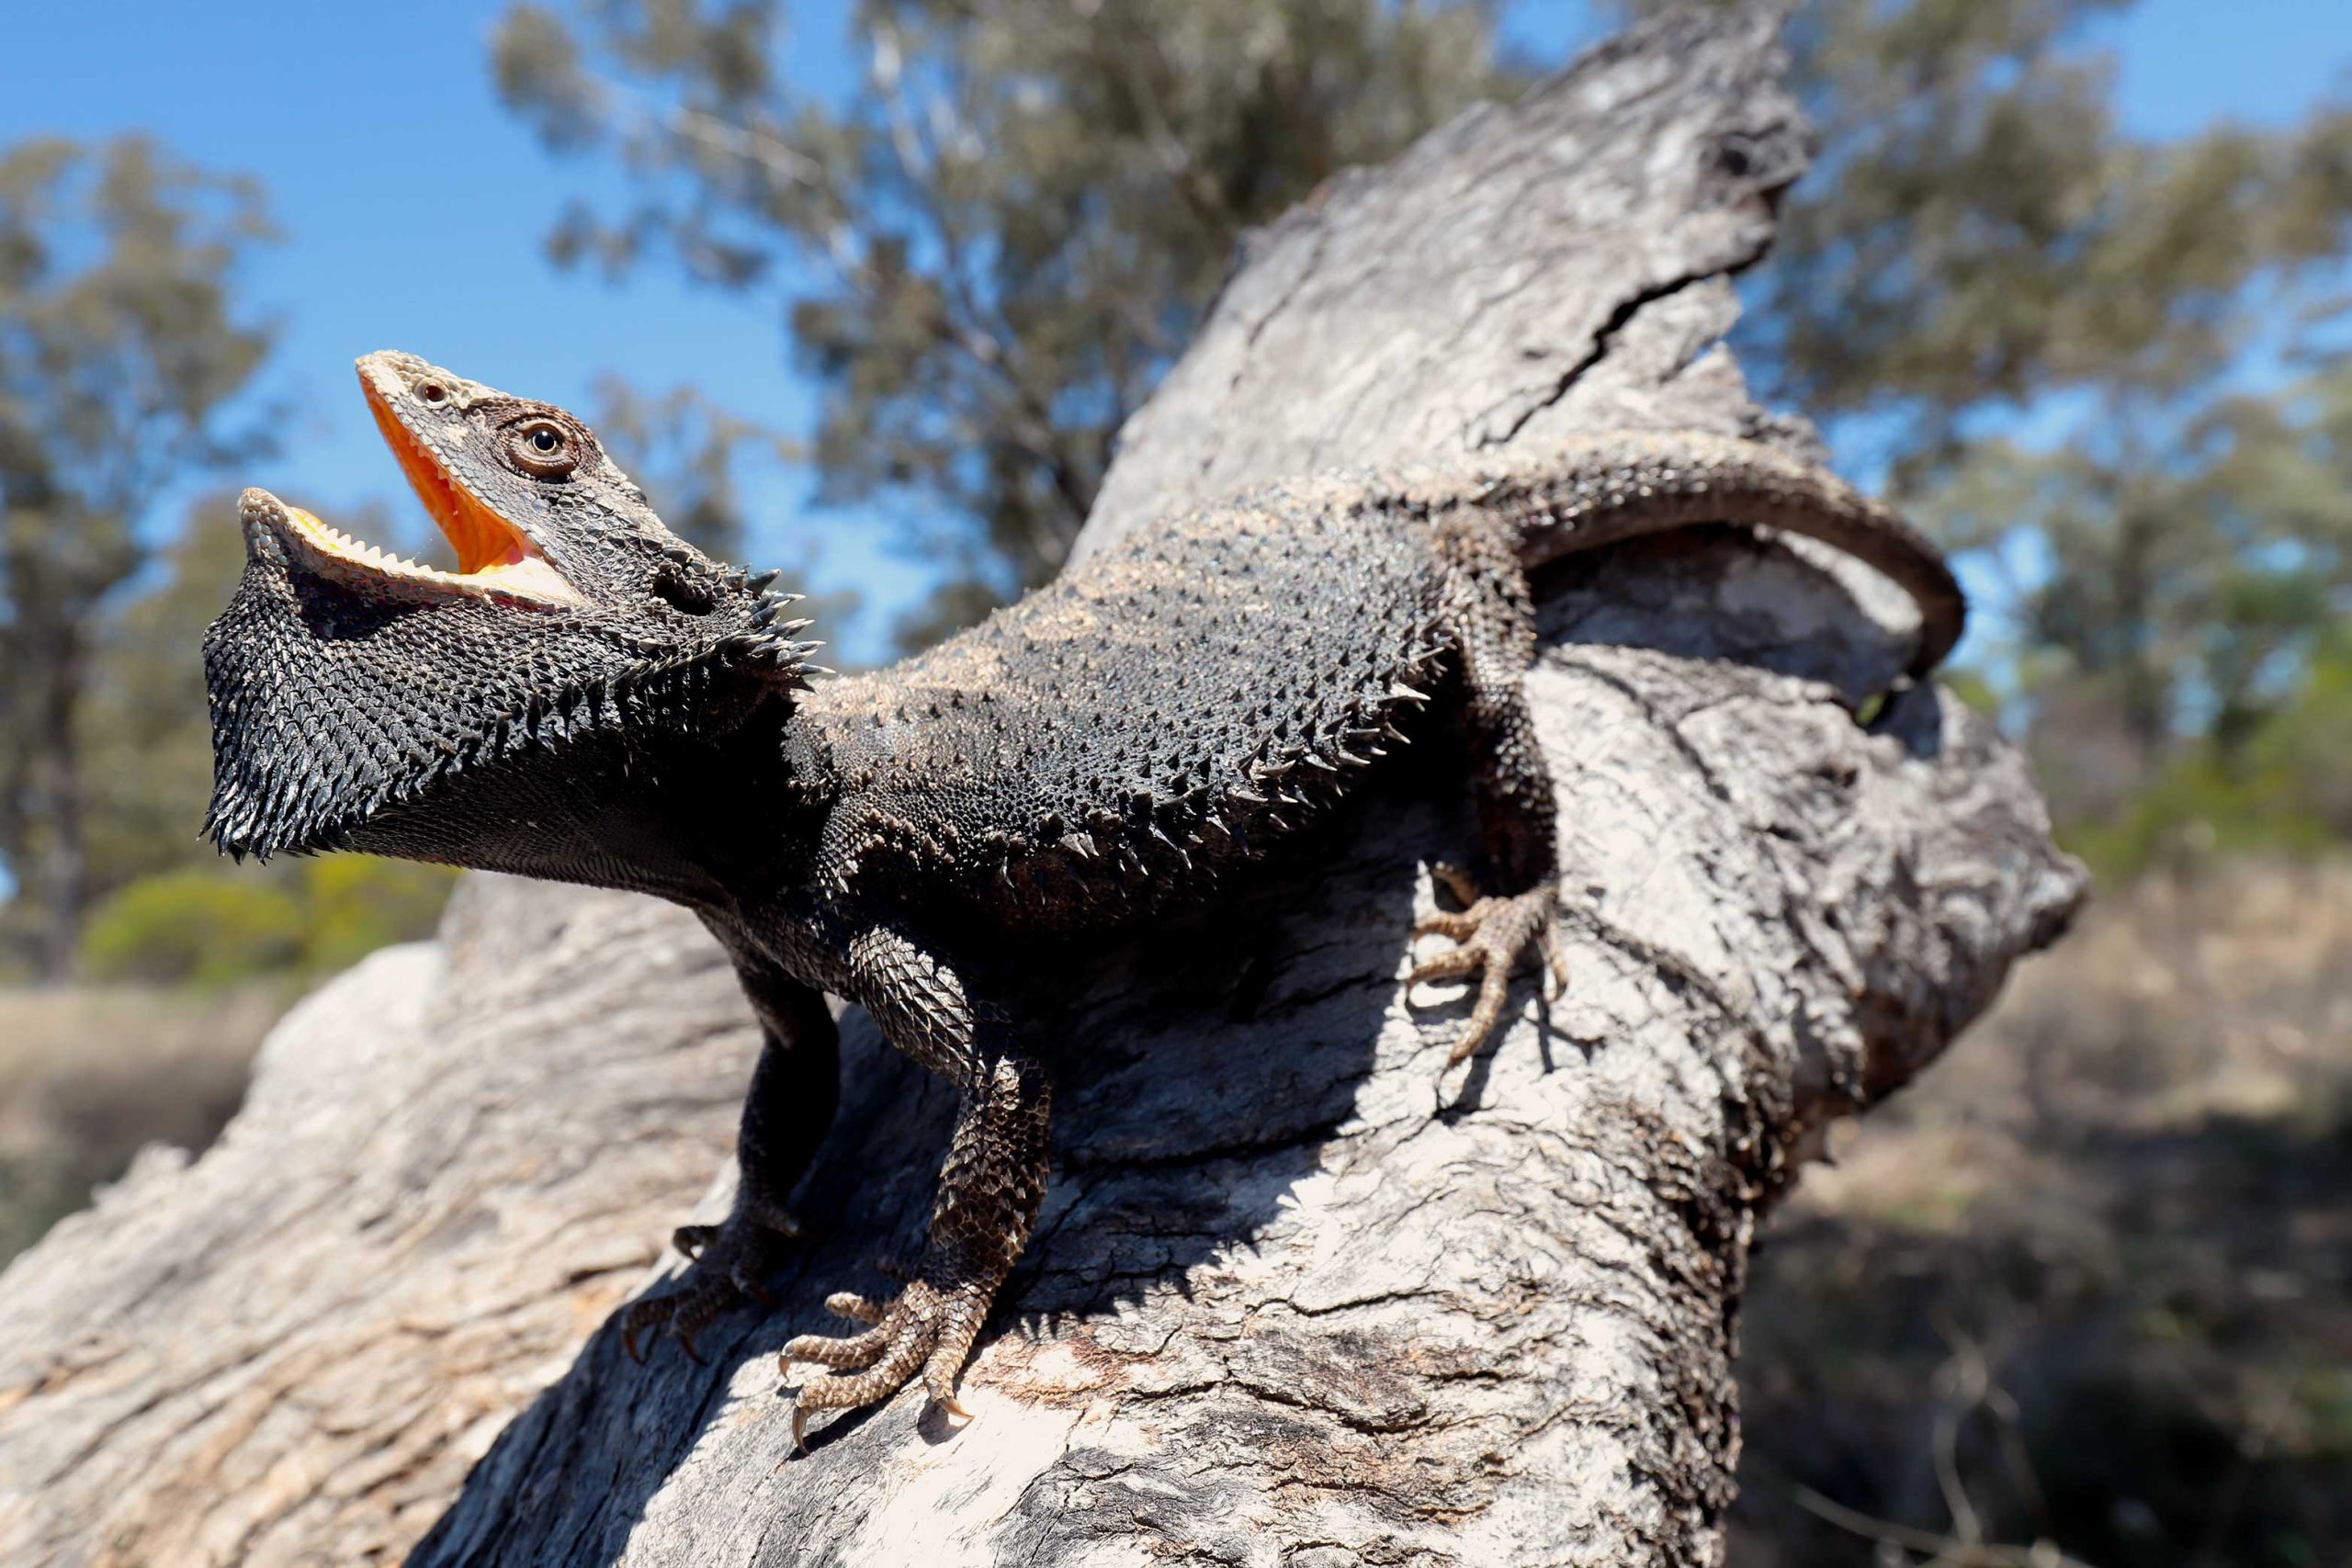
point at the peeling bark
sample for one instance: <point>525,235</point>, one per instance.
<point>1297,1297</point>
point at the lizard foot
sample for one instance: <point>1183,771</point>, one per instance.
<point>729,1261</point>
<point>930,1325</point>
<point>989,1194</point>
<point>1491,936</point>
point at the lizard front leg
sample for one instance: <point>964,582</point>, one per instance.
<point>1490,616</point>
<point>988,1189</point>
<point>794,1090</point>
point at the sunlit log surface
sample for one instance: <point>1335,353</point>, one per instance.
<point>1297,1296</point>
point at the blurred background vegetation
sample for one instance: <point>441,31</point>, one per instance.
<point>2081,1295</point>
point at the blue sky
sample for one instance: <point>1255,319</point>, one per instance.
<point>414,207</point>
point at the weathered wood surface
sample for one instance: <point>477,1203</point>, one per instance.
<point>1297,1297</point>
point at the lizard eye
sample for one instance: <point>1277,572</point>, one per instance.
<point>542,448</point>
<point>433,392</point>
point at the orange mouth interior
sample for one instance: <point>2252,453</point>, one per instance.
<point>481,536</point>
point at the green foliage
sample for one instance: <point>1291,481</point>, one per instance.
<point>2281,788</point>
<point>992,252</point>
<point>354,903</point>
<point>193,925</point>
<point>2181,576</point>
<point>142,726</point>
<point>1980,231</point>
<point>120,351</point>
<point>213,926</point>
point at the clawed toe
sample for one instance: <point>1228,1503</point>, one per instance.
<point>680,1316</point>
<point>729,1263</point>
<point>856,1308</point>
<point>848,1353</point>
<point>1493,935</point>
<point>1454,963</point>
<point>1458,882</point>
<point>927,1329</point>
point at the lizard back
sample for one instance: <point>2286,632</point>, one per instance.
<point>1167,706</point>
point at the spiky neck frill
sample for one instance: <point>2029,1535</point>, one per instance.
<point>329,708</point>
<point>346,682</point>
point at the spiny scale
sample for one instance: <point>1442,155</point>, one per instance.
<point>1103,705</point>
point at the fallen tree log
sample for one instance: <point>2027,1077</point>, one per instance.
<point>1296,1296</point>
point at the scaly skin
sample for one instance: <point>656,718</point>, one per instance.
<point>591,700</point>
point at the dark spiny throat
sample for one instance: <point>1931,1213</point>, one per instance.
<point>347,685</point>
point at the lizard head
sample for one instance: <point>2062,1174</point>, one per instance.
<point>362,699</point>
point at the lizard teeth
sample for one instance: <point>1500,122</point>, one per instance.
<point>530,577</point>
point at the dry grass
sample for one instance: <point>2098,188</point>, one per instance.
<point>88,1076</point>
<point>2089,1283</point>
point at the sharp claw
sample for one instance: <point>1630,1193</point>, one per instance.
<point>629,1345</point>
<point>1483,1018</point>
<point>1457,881</point>
<point>854,1307</point>
<point>1446,965</point>
<point>1493,988</point>
<point>1555,957</point>
<point>952,1407</point>
<point>686,1342</point>
<point>799,1429</point>
<point>769,1217</point>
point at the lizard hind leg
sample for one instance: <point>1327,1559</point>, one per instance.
<point>1490,616</point>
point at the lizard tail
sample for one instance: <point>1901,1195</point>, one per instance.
<point>1625,484</point>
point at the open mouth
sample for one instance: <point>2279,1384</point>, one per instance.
<point>494,556</point>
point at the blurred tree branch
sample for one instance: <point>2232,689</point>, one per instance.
<point>1981,230</point>
<point>993,251</point>
<point>120,350</point>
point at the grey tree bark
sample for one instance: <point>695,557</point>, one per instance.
<point>1297,1296</point>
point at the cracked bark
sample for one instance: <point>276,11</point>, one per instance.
<point>1296,1298</point>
